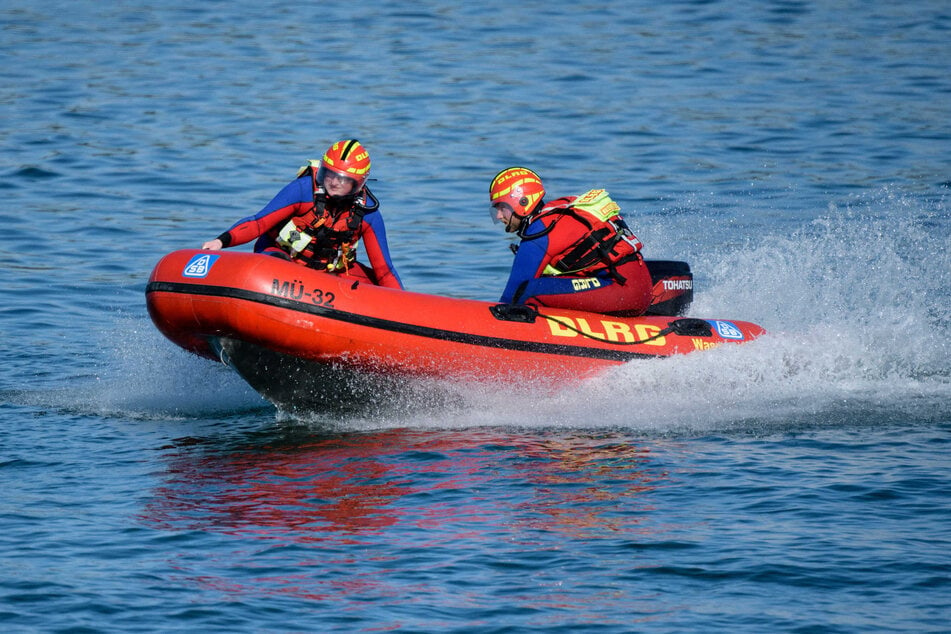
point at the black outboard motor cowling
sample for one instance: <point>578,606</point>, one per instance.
<point>673,287</point>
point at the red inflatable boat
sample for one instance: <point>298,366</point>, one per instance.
<point>308,339</point>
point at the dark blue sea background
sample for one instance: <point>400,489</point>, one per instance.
<point>796,154</point>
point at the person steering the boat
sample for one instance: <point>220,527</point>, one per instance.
<point>575,252</point>
<point>318,218</point>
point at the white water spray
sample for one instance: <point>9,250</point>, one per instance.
<point>856,305</point>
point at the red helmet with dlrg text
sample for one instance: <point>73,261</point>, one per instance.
<point>348,159</point>
<point>518,187</point>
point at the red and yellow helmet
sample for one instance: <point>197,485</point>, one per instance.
<point>518,187</point>
<point>348,159</point>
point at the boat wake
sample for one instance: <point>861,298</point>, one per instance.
<point>144,377</point>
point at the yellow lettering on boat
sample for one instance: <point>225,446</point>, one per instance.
<point>646,331</point>
<point>700,344</point>
<point>586,329</point>
<point>561,326</point>
<point>617,331</point>
<point>557,325</point>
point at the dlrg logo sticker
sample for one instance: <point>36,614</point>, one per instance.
<point>199,265</point>
<point>727,330</point>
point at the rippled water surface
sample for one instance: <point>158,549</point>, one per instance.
<point>797,154</point>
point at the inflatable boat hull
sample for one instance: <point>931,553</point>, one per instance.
<point>293,333</point>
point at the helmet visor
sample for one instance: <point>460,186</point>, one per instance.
<point>336,184</point>
<point>503,213</point>
<point>499,212</point>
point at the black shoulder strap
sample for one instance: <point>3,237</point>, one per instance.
<point>521,233</point>
<point>357,212</point>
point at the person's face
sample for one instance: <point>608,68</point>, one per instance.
<point>337,185</point>
<point>505,215</point>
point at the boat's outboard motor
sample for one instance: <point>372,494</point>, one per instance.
<point>673,287</point>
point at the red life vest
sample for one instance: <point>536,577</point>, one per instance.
<point>607,244</point>
<point>326,236</point>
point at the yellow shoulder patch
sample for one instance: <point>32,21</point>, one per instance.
<point>310,163</point>
<point>598,203</point>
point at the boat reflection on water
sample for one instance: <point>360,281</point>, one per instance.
<point>449,483</point>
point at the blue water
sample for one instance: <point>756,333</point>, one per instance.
<point>797,154</point>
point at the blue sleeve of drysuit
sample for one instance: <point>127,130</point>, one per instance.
<point>283,205</point>
<point>378,252</point>
<point>528,265</point>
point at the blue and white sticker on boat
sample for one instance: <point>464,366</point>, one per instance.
<point>199,265</point>
<point>726,329</point>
